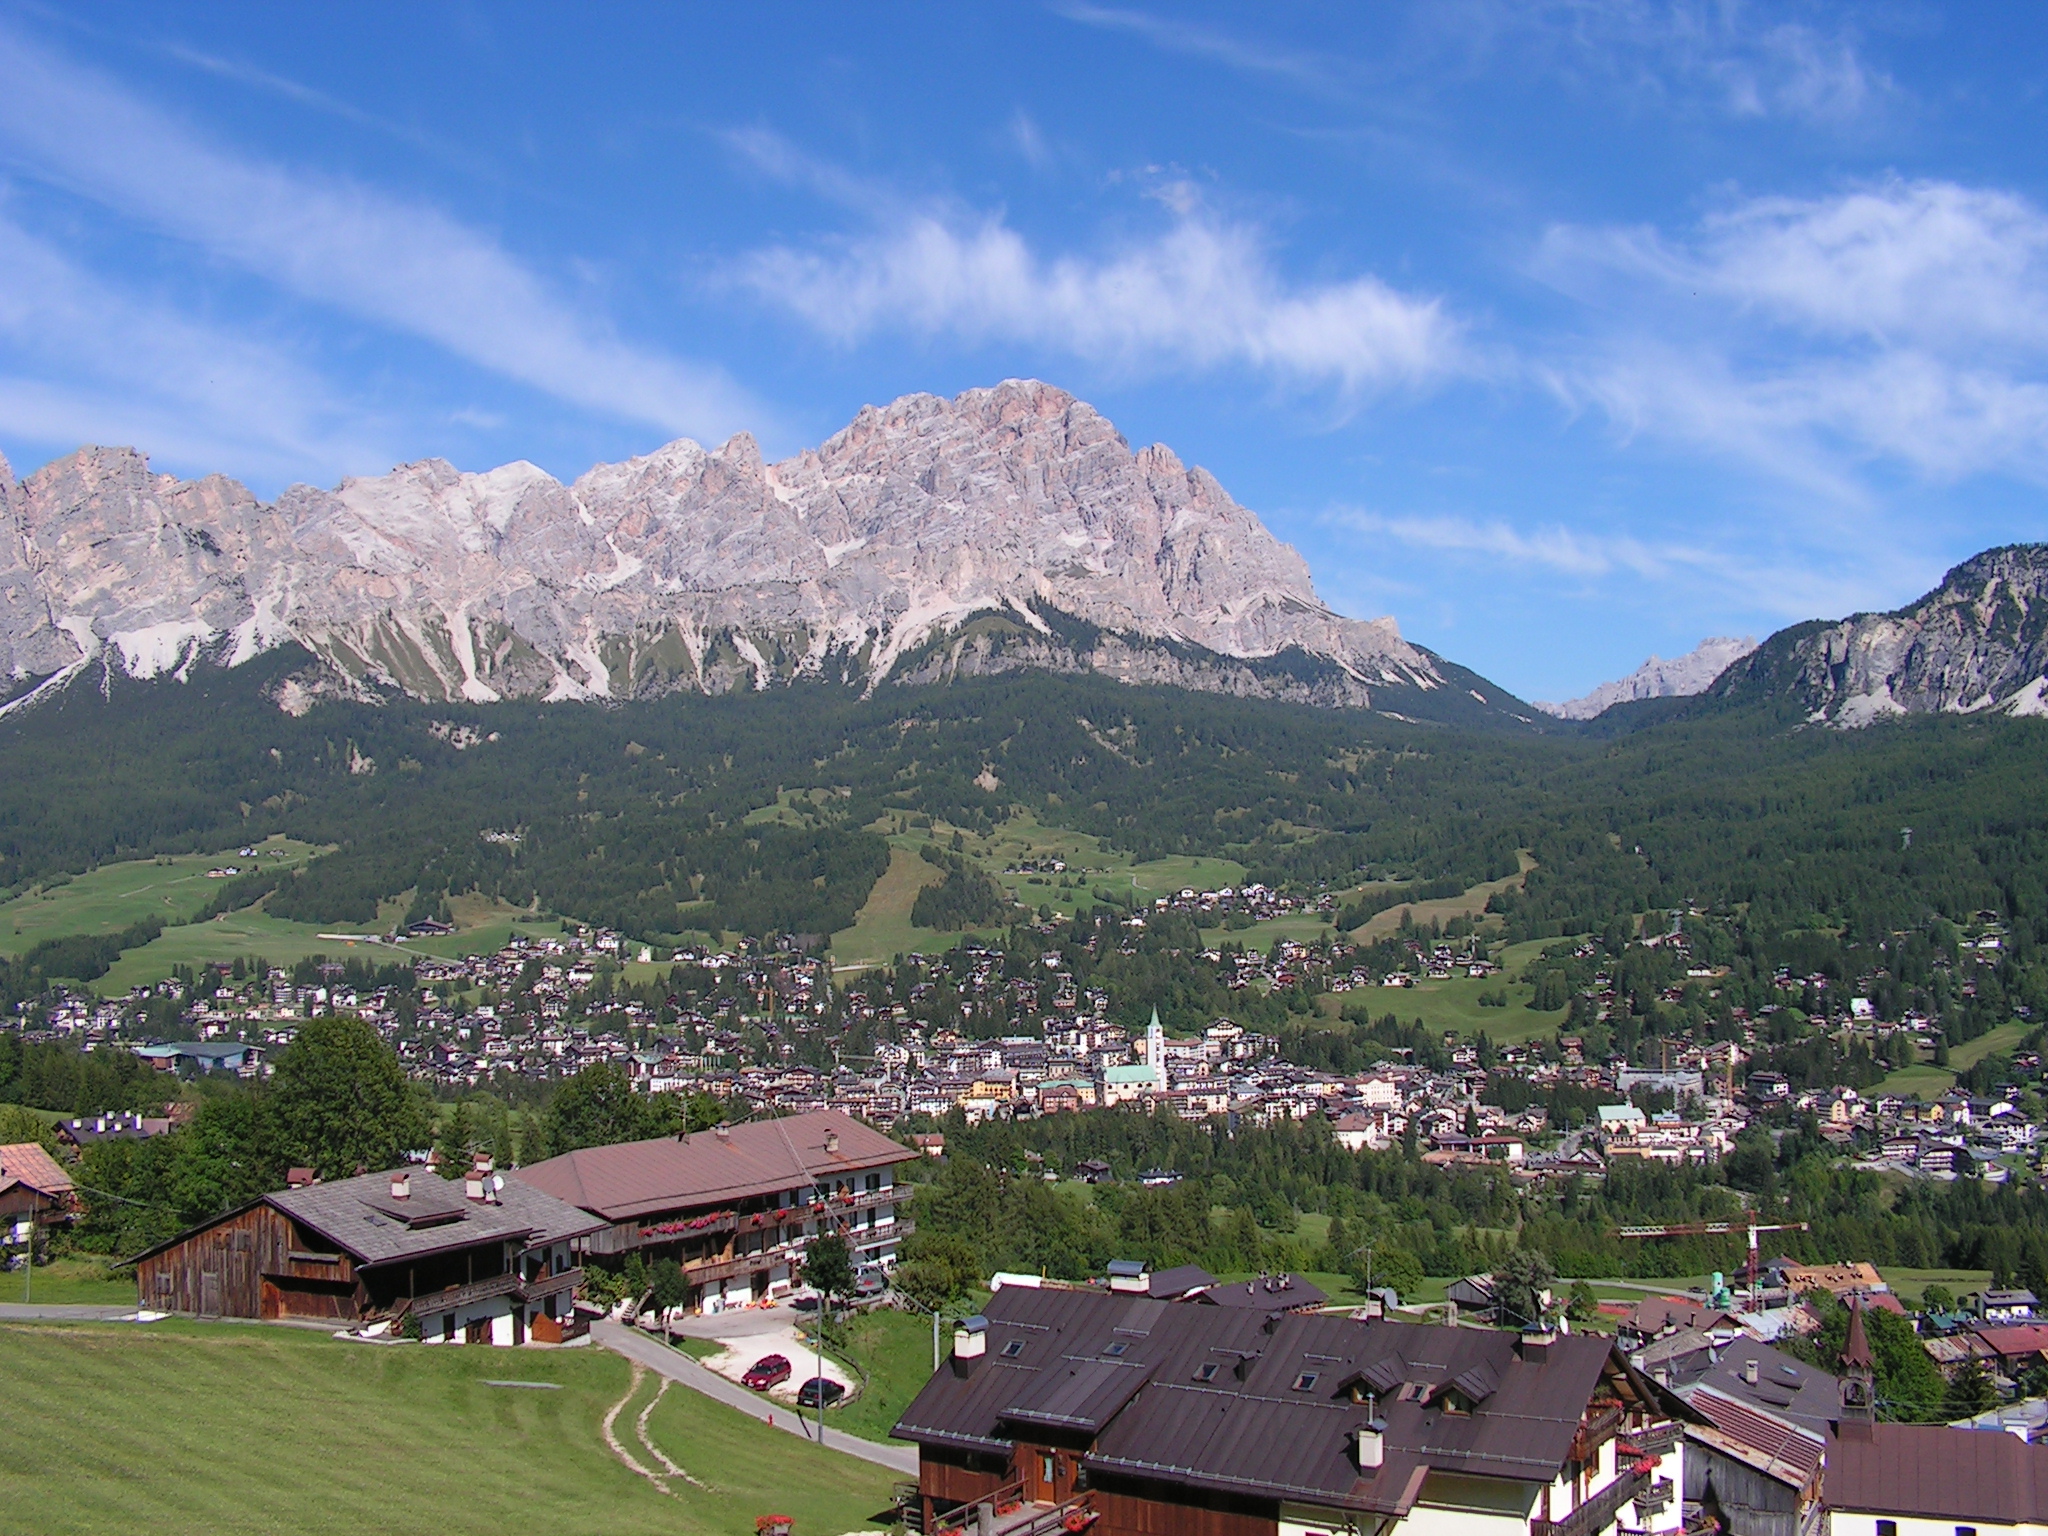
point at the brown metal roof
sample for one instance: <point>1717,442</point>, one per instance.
<point>1789,1452</point>
<point>644,1178</point>
<point>28,1163</point>
<point>1938,1473</point>
<point>1240,1400</point>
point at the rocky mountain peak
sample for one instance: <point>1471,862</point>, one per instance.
<point>1012,507</point>
<point>1682,676</point>
<point>1977,642</point>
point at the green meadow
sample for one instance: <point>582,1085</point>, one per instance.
<point>180,1428</point>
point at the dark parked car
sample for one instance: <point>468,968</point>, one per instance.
<point>768,1371</point>
<point>819,1392</point>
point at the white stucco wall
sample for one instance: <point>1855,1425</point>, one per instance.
<point>1845,1522</point>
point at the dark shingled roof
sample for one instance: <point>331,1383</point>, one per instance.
<point>644,1178</point>
<point>1938,1473</point>
<point>361,1217</point>
<point>1248,1401</point>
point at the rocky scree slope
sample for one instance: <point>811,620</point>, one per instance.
<point>1009,527</point>
<point>1979,641</point>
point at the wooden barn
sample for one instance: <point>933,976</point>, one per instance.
<point>483,1260</point>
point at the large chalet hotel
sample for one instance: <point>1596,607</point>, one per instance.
<point>736,1206</point>
<point>495,1258</point>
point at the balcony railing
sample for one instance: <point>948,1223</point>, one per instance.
<point>1593,1433</point>
<point>1598,1512</point>
<point>456,1297</point>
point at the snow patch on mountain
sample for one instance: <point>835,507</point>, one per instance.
<point>688,568</point>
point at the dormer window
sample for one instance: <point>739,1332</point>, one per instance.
<point>1116,1350</point>
<point>1013,1349</point>
<point>1206,1371</point>
<point>1305,1382</point>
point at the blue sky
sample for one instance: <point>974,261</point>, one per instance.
<point>1564,333</point>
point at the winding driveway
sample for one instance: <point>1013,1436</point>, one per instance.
<point>681,1369</point>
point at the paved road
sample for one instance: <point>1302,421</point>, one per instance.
<point>37,1312</point>
<point>680,1368</point>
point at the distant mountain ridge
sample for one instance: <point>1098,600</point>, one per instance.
<point>1977,642</point>
<point>1657,678</point>
<point>1008,527</point>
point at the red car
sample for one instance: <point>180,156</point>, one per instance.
<point>768,1371</point>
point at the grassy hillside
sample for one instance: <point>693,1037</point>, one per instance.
<point>1469,903</point>
<point>175,888</point>
<point>113,896</point>
<point>882,928</point>
<point>190,1428</point>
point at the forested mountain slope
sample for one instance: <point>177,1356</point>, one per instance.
<point>635,815</point>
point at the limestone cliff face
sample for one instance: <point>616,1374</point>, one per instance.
<point>1979,641</point>
<point>696,569</point>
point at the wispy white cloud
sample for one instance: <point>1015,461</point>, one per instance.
<point>1904,323</point>
<point>1733,58</point>
<point>82,360</point>
<point>1203,292</point>
<point>300,94</point>
<point>1029,142</point>
<point>395,261</point>
<point>1759,576</point>
<point>1234,51</point>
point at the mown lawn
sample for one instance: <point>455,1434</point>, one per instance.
<point>196,1428</point>
<point>894,1350</point>
<point>1909,1283</point>
<point>69,1282</point>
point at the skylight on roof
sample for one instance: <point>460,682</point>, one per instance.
<point>1013,1349</point>
<point>1206,1371</point>
<point>1305,1381</point>
<point>1115,1350</point>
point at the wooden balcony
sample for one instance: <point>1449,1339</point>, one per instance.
<point>1598,1512</point>
<point>1593,1432</point>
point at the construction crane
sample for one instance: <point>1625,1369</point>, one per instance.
<point>1718,1229</point>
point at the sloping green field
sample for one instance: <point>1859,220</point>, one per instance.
<point>110,898</point>
<point>177,1428</point>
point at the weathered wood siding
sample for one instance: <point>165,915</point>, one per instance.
<point>955,1478</point>
<point>252,1263</point>
<point>1130,1508</point>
